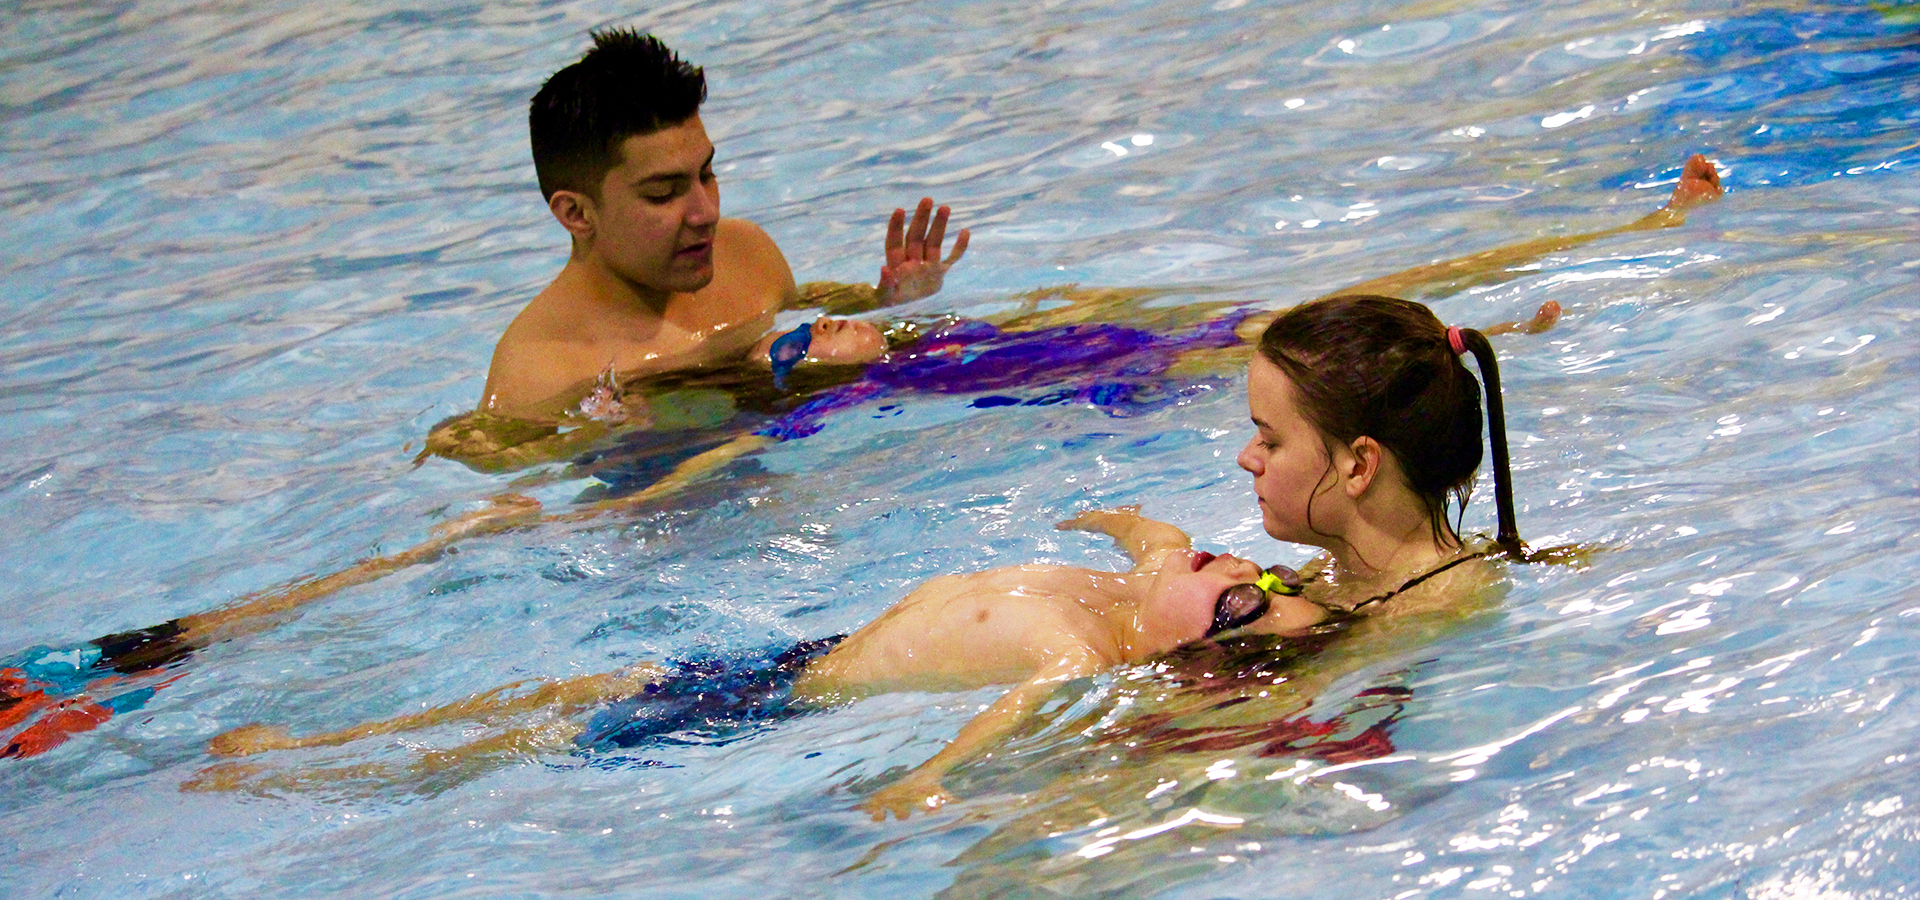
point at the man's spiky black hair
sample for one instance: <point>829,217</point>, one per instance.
<point>628,84</point>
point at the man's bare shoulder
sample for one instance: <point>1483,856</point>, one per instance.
<point>741,235</point>
<point>536,375</point>
<point>556,314</point>
<point>581,326</point>
<point>749,267</point>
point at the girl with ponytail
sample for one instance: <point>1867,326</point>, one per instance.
<point>1368,437</point>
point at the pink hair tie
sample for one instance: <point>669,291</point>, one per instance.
<point>1454,340</point>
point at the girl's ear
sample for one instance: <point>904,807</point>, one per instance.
<point>575,211</point>
<point>1362,465</point>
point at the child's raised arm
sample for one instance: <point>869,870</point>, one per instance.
<point>1144,539</point>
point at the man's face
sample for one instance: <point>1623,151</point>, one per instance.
<point>655,218</point>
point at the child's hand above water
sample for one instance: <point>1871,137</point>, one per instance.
<point>914,268</point>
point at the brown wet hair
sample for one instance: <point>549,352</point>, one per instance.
<point>1384,368</point>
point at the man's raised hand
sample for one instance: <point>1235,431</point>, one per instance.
<point>914,268</point>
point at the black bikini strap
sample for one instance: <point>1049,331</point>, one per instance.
<point>1412,581</point>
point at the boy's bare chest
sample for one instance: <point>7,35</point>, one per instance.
<point>987,627</point>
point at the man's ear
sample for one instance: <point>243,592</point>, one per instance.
<point>1362,465</point>
<point>576,212</point>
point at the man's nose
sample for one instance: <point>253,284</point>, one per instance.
<point>703,206</point>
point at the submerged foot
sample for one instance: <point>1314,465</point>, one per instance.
<point>19,698</point>
<point>1548,314</point>
<point>223,777</point>
<point>1543,319</point>
<point>69,718</point>
<point>1699,183</point>
<point>503,512</point>
<point>250,739</point>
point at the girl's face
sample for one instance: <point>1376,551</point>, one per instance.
<point>1293,470</point>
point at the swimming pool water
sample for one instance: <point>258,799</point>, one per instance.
<point>255,250</point>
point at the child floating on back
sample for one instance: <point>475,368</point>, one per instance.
<point>1032,626</point>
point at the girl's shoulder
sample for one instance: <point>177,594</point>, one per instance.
<point>1458,583</point>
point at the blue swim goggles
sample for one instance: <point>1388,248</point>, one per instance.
<point>1243,604</point>
<point>789,350</point>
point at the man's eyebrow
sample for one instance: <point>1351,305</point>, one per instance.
<point>675,176</point>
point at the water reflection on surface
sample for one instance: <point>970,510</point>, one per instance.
<point>257,252</point>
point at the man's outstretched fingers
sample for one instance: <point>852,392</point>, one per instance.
<point>959,247</point>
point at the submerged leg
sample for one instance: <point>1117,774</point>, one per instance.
<point>433,772</point>
<point>1699,183</point>
<point>563,697</point>
<point>260,611</point>
<point>505,512</point>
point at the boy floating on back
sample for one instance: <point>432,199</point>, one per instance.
<point>1032,626</point>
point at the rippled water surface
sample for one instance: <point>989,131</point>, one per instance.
<point>253,251</point>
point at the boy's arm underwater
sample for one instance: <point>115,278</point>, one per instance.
<point>921,789</point>
<point>1146,541</point>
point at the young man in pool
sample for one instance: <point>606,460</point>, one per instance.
<point>657,280</point>
<point>1030,626</point>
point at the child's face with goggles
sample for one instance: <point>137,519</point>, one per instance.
<point>1203,595</point>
